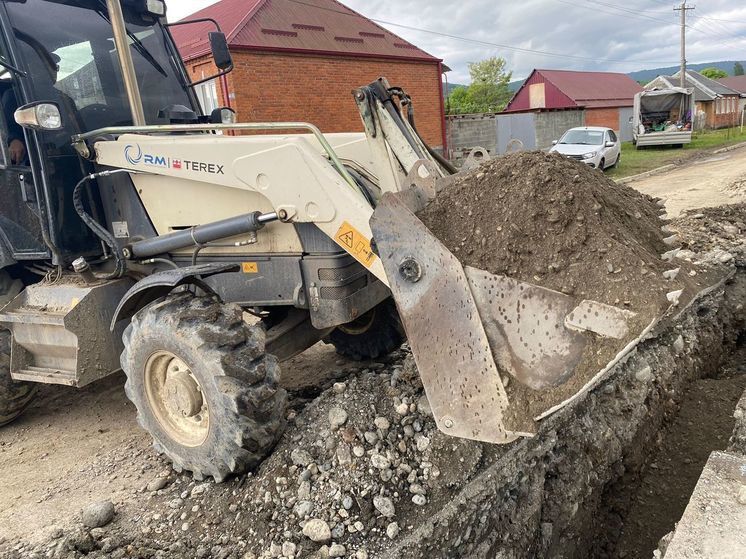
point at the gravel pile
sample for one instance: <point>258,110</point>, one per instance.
<point>359,468</point>
<point>713,235</point>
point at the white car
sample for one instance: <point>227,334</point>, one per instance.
<point>595,146</point>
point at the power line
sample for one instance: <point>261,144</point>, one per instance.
<point>485,43</point>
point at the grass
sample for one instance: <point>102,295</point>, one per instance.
<point>636,161</point>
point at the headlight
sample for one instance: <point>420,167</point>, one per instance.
<point>39,116</point>
<point>590,155</point>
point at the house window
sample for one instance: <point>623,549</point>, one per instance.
<point>207,93</point>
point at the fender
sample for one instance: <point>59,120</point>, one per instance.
<point>161,284</point>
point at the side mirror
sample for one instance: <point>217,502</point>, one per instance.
<point>41,115</point>
<point>221,55</point>
<point>223,115</point>
<point>610,144</point>
<point>554,142</point>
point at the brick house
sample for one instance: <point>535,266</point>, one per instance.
<point>717,105</point>
<point>737,83</point>
<point>605,98</point>
<point>300,61</point>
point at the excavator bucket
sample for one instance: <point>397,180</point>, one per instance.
<point>495,354</point>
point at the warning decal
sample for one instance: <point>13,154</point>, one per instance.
<point>357,244</point>
<point>250,267</point>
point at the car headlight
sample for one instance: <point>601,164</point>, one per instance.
<point>590,155</point>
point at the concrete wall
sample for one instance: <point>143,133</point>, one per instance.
<point>496,133</point>
<point>468,131</point>
<point>551,125</point>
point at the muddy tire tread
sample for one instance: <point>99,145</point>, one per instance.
<point>251,414</point>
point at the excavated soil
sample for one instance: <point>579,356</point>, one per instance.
<point>547,220</point>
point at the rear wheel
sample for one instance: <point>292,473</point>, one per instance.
<point>616,162</point>
<point>374,334</point>
<point>15,397</point>
<point>203,386</point>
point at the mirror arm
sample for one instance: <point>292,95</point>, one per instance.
<point>197,20</point>
<point>216,76</point>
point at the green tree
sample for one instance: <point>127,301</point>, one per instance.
<point>738,69</point>
<point>489,91</point>
<point>714,73</point>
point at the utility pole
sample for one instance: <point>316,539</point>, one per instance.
<point>683,9</point>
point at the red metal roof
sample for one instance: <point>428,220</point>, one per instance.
<point>591,90</point>
<point>313,26</point>
<point>737,83</point>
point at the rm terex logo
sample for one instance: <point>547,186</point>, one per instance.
<point>135,156</point>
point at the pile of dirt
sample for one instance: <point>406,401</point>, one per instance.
<point>555,222</point>
<point>713,235</point>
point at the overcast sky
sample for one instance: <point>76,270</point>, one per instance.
<point>613,35</point>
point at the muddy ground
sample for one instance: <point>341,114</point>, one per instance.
<point>446,498</point>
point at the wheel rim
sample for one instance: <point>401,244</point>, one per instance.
<point>176,399</point>
<point>360,325</point>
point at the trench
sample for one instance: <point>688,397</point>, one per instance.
<point>611,474</point>
<point>643,506</point>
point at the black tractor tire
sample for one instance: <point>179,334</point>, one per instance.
<point>373,335</point>
<point>236,381</point>
<point>15,397</point>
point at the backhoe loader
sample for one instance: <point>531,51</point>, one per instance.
<point>138,233</point>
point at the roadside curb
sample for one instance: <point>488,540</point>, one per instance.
<point>730,148</point>
<point>659,170</point>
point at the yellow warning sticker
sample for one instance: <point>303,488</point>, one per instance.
<point>357,244</point>
<point>250,267</point>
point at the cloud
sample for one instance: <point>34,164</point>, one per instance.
<point>605,35</point>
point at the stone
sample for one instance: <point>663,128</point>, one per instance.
<point>157,484</point>
<point>678,344</point>
<point>382,423</point>
<point>337,550</point>
<point>422,442</point>
<point>98,514</point>
<point>199,489</point>
<point>392,530</point>
<point>419,500</point>
<point>645,374</point>
<point>300,457</point>
<point>380,461</point>
<point>358,451</point>
<point>303,509</point>
<point>317,530</point>
<point>289,548</point>
<point>337,417</point>
<point>384,505</point>
<point>343,454</point>
<point>370,437</point>
<point>339,387</point>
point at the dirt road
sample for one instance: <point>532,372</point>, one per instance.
<point>710,182</point>
<point>74,447</point>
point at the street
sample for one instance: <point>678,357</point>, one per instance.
<point>717,180</point>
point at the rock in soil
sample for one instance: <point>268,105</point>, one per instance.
<point>99,514</point>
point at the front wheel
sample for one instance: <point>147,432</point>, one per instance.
<point>374,334</point>
<point>203,386</point>
<point>602,164</point>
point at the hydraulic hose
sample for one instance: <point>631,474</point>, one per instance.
<point>103,234</point>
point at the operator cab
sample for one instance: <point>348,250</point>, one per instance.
<point>63,52</point>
